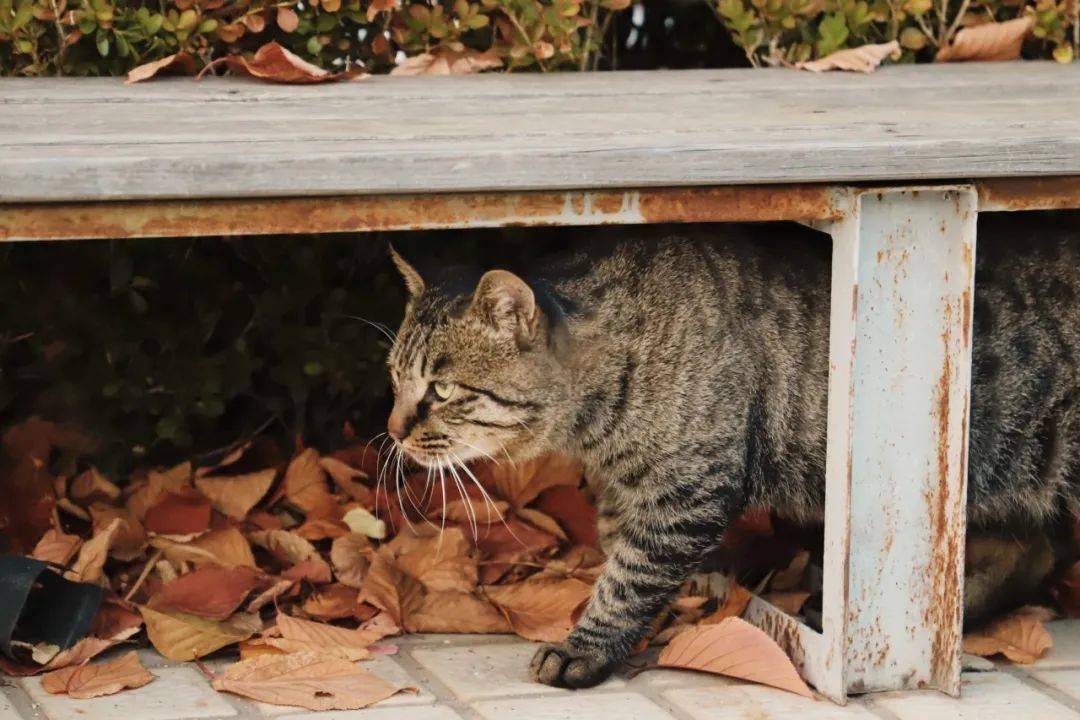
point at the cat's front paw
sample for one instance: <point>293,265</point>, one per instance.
<point>569,667</point>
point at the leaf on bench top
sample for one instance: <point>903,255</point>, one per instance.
<point>989,41</point>
<point>864,59</point>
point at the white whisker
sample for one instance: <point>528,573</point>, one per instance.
<point>387,332</point>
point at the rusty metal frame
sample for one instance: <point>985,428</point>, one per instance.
<point>852,654</point>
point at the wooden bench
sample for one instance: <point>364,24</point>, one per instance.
<point>895,166</point>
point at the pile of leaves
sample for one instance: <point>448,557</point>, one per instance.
<point>304,564</point>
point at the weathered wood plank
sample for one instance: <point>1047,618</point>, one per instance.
<point>84,139</point>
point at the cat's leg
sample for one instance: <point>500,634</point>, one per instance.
<point>659,542</point>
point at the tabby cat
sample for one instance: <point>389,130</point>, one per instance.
<point>688,374</point>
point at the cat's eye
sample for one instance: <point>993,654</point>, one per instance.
<point>443,391</point>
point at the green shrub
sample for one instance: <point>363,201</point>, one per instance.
<point>777,32</point>
<point>109,37</point>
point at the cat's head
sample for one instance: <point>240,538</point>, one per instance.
<point>472,370</point>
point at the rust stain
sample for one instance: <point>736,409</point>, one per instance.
<point>785,632</point>
<point>1046,193</point>
<point>266,216</point>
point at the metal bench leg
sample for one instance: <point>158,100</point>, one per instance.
<point>896,465</point>
<point>903,272</point>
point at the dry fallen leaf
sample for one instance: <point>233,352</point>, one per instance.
<point>153,489</point>
<point>91,486</point>
<point>573,511</point>
<point>735,602</point>
<point>734,648</point>
<point>333,602</point>
<point>129,542</point>
<point>790,601</point>
<point>211,591</point>
<point>306,488</point>
<point>453,611</point>
<point>445,61</point>
<point>864,58</point>
<point>56,547</point>
<point>104,678</point>
<point>361,521</point>
<point>269,595</point>
<point>389,589</point>
<point>275,63</point>
<point>180,63</point>
<point>351,556</point>
<point>179,636</point>
<point>179,514</point>
<point>236,495</point>
<point>540,608</point>
<point>308,680</point>
<point>286,546</point>
<point>314,570</point>
<point>1019,637</point>
<point>345,478</point>
<point>321,635</point>
<point>989,41</point>
<point>91,561</point>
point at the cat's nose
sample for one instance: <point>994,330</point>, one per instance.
<point>397,426</point>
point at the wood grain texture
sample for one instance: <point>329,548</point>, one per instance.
<point>97,139</point>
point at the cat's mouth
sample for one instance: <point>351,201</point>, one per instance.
<point>439,458</point>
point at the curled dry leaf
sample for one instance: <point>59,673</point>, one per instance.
<point>211,591</point>
<point>734,648</point>
<point>286,546</point>
<point>182,637</point>
<point>275,63</point>
<point>56,547</point>
<point>220,547</point>
<point>540,608</point>
<point>1020,637</point>
<point>330,637</point>
<point>790,601</point>
<point>391,590</point>
<point>989,41</point>
<point>573,511</point>
<point>446,61</point>
<point>308,680</point>
<point>269,595</point>
<point>333,602</point>
<point>345,477</point>
<point>91,561</point>
<point>104,678</point>
<point>864,59</point>
<point>791,577</point>
<point>306,488</point>
<point>156,485</point>
<point>361,521</point>
<point>351,556</point>
<point>235,496</point>
<point>180,63</point>
<point>129,542</point>
<point>313,570</point>
<point>322,529</point>
<point>91,486</point>
<point>453,611</point>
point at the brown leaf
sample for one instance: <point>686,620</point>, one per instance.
<point>864,59</point>
<point>540,608</point>
<point>332,602</point>
<point>308,680</point>
<point>269,595</point>
<point>287,19</point>
<point>286,546</point>
<point>790,601</point>
<point>56,547</point>
<point>275,63</point>
<point>389,589</point>
<point>444,61</point>
<point>328,637</point>
<point>305,486</point>
<point>440,562</point>
<point>156,485</point>
<point>219,547</point>
<point>512,538</point>
<point>236,495</point>
<point>181,637</point>
<point>571,508</point>
<point>543,521</point>
<point>180,63</point>
<point>345,478</point>
<point>791,577</point>
<point>179,514</point>
<point>104,678</point>
<point>734,648</point>
<point>520,484</point>
<point>129,542</point>
<point>988,41</point>
<point>322,529</point>
<point>211,591</point>
<point>1019,637</point>
<point>313,570</point>
<point>350,557</point>
<point>91,486</point>
<point>91,561</point>
<point>456,612</point>
<point>735,602</point>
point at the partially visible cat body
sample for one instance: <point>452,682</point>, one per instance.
<point>688,374</point>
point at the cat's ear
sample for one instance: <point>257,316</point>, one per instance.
<point>507,302</point>
<point>413,281</point>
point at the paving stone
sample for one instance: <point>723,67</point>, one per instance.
<point>177,693</point>
<point>483,671</point>
<point>739,701</point>
<point>420,712</point>
<point>665,679</point>
<point>581,706</point>
<point>7,710</point>
<point>386,668</point>
<point>984,696</point>
<point>1066,650</point>
<point>1067,681</point>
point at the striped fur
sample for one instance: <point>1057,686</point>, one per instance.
<point>689,376</point>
